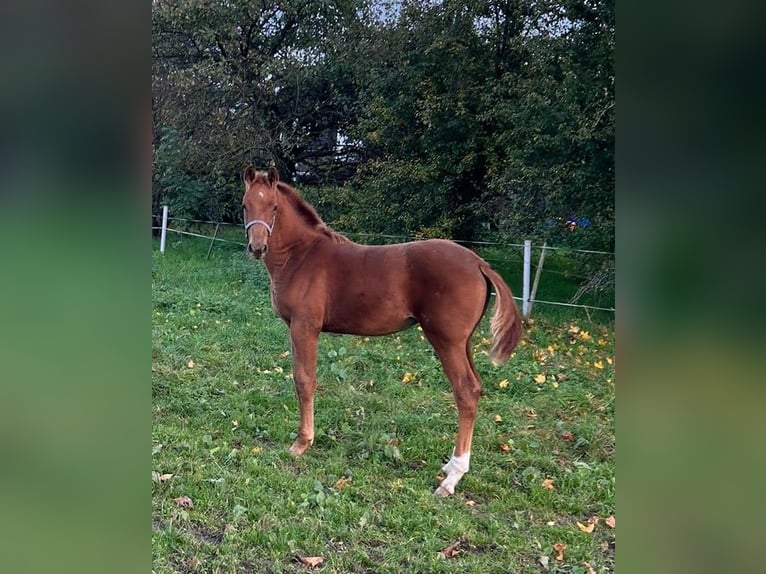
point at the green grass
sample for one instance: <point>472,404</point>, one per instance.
<point>225,413</point>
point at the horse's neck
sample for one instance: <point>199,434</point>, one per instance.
<point>291,238</point>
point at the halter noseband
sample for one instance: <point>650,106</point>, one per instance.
<point>268,227</point>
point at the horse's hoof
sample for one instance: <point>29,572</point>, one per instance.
<point>299,447</point>
<point>442,492</point>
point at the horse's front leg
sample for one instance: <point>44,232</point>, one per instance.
<point>304,342</point>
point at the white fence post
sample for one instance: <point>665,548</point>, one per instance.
<point>164,228</point>
<point>525,307</point>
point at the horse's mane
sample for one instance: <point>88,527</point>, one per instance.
<point>307,213</point>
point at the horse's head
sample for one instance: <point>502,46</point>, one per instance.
<point>259,206</point>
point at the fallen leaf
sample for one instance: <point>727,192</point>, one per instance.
<point>408,377</point>
<point>505,448</point>
<point>543,560</point>
<point>609,360</point>
<point>503,384</point>
<point>567,436</point>
<point>284,355</point>
<point>470,503</point>
<point>586,528</point>
<point>609,521</point>
<point>184,502</point>
<point>585,336</point>
<point>561,377</point>
<point>589,569</point>
<point>551,523</point>
<point>548,483</point>
<point>450,551</point>
<point>540,379</point>
<point>192,562</point>
<point>256,450</point>
<point>554,384</point>
<point>235,423</point>
<point>190,364</point>
<point>498,419</point>
<point>312,561</point>
<point>342,482</point>
<point>598,365</point>
<point>558,547</point>
<point>573,329</point>
<point>530,413</point>
<point>159,478</point>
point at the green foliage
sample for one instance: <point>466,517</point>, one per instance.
<point>433,118</point>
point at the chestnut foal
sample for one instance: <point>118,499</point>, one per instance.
<point>321,281</point>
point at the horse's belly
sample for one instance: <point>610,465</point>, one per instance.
<point>359,317</point>
<point>369,330</point>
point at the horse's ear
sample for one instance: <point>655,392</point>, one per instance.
<point>273,175</point>
<point>249,175</point>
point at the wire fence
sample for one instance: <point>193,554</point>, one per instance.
<point>564,273</point>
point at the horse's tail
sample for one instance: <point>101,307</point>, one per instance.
<point>505,324</point>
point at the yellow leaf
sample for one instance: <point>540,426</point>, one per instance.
<point>470,502</point>
<point>555,384</point>
<point>548,483</point>
<point>342,482</point>
<point>503,384</point>
<point>585,336</point>
<point>284,355</point>
<point>598,365</point>
<point>540,379</point>
<point>256,450</point>
<point>588,529</point>
<point>408,377</point>
<point>609,360</point>
<point>498,419</point>
<point>190,364</point>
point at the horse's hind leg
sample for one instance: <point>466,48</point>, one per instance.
<point>466,389</point>
<point>304,343</point>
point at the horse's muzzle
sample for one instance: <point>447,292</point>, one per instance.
<point>257,252</point>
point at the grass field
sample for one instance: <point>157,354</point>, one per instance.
<point>227,497</point>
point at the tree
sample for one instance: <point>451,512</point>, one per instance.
<point>420,117</point>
